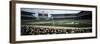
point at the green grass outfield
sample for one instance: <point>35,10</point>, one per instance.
<point>62,23</point>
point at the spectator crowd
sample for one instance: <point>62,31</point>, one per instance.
<point>29,30</point>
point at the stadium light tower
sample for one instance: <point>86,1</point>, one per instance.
<point>43,13</point>
<point>53,20</point>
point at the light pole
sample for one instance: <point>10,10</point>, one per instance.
<point>53,20</point>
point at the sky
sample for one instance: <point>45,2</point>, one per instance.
<point>50,11</point>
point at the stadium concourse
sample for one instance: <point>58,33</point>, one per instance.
<point>48,21</point>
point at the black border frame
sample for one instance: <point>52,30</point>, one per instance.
<point>13,21</point>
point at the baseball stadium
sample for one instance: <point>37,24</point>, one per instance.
<point>35,21</point>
